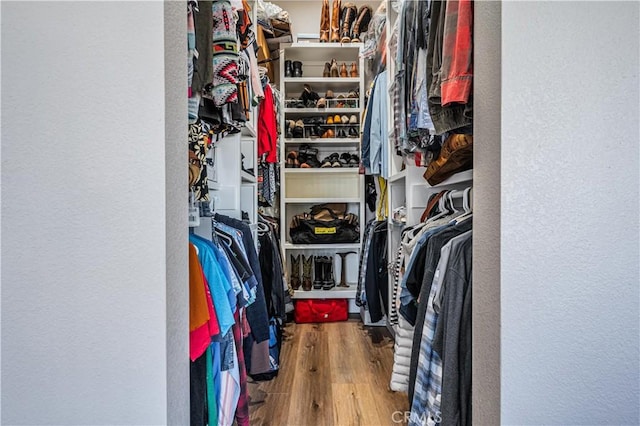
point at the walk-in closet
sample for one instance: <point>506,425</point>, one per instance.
<point>331,199</point>
<point>319,212</point>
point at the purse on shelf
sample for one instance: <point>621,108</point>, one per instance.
<point>325,224</point>
<point>321,310</point>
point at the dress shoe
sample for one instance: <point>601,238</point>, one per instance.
<point>335,22</point>
<point>362,23</point>
<point>325,22</point>
<point>343,70</point>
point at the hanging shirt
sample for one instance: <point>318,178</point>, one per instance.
<point>219,286</point>
<point>267,129</point>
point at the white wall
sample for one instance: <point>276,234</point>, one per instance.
<point>85,276</point>
<point>570,209</point>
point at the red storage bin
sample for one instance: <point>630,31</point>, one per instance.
<point>321,310</point>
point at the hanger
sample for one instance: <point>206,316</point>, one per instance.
<point>442,207</point>
<point>468,212</point>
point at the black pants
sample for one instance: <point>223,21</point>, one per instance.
<point>377,278</point>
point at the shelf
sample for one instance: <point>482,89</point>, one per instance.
<point>247,177</point>
<point>334,293</point>
<point>320,200</point>
<point>398,176</point>
<point>346,246</point>
<point>317,45</point>
<point>248,131</point>
<point>327,80</point>
<point>324,141</point>
<point>315,111</point>
<point>466,176</point>
<point>349,170</point>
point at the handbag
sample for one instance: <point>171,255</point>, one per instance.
<point>325,224</point>
<point>321,310</point>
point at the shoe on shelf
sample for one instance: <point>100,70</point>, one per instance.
<point>329,134</point>
<point>328,281</point>
<point>327,70</point>
<point>343,70</point>
<point>354,161</point>
<point>289,131</point>
<point>344,119</point>
<point>313,132</point>
<point>354,70</point>
<point>298,130</point>
<point>349,15</point>
<point>326,163</point>
<point>325,22</point>
<point>288,71</point>
<point>297,69</point>
<point>292,160</point>
<point>361,25</point>
<point>335,160</point>
<point>330,119</point>
<point>353,132</point>
<point>335,72</point>
<point>353,119</point>
<point>322,103</point>
<point>318,264</point>
<point>335,22</point>
<point>329,94</point>
<point>307,266</point>
<point>336,119</point>
<point>295,272</point>
<point>341,133</point>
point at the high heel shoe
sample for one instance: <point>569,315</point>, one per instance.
<point>334,68</point>
<point>343,70</point>
<point>354,70</point>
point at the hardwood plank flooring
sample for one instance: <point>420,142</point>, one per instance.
<point>331,374</point>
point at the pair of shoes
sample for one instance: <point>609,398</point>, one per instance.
<point>298,129</point>
<point>338,119</point>
<point>308,157</point>
<point>456,156</point>
<point>323,273</point>
<point>354,23</point>
<point>328,134</point>
<point>306,272</point>
<point>309,97</point>
<point>292,69</point>
<point>332,160</point>
<point>292,160</point>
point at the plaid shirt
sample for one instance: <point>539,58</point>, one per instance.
<point>425,407</point>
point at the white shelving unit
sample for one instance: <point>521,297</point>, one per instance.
<point>303,188</point>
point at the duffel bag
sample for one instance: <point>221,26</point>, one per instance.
<point>324,226</point>
<point>321,310</point>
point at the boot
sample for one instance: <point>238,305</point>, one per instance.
<point>335,21</point>
<point>325,22</point>
<point>327,70</point>
<point>297,69</point>
<point>307,266</point>
<point>318,264</point>
<point>343,70</point>
<point>334,68</point>
<point>287,69</point>
<point>354,69</point>
<point>362,24</point>
<point>328,281</point>
<point>295,272</point>
<point>343,266</point>
<point>349,13</point>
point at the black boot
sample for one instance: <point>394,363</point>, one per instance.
<point>318,264</point>
<point>349,13</point>
<point>328,281</point>
<point>297,69</point>
<point>288,72</point>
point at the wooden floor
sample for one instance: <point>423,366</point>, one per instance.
<point>330,374</point>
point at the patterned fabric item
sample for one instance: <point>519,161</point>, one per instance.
<point>198,149</point>
<point>393,312</point>
<point>362,268</point>
<point>225,54</point>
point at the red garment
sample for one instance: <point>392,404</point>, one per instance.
<point>267,128</point>
<point>457,52</point>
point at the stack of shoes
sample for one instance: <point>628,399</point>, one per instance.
<point>456,156</point>
<point>309,97</point>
